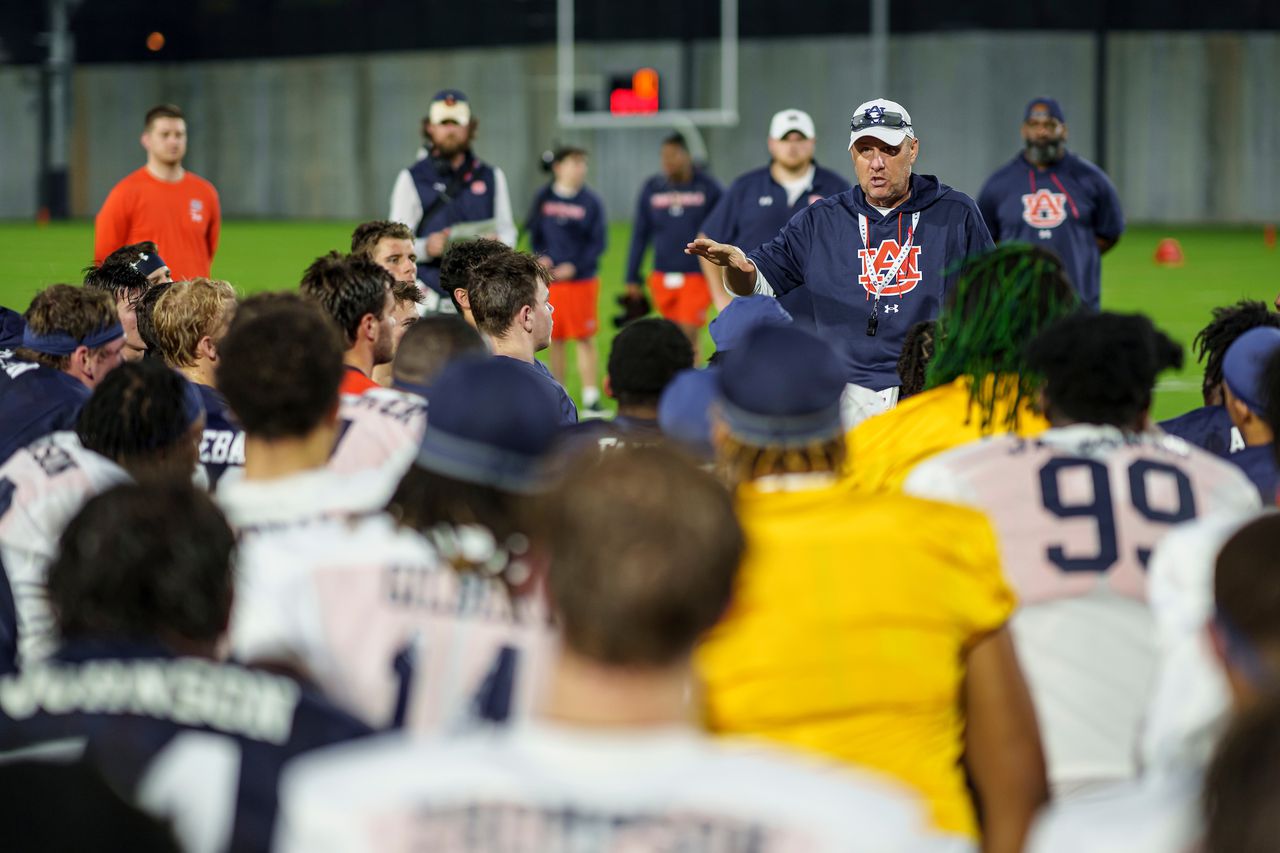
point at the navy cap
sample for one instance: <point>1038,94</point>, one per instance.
<point>743,314</point>
<point>684,410</point>
<point>1044,105</point>
<point>449,105</point>
<point>1245,363</point>
<point>12,326</point>
<point>490,421</point>
<point>782,387</point>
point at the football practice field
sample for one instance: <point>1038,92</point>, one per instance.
<point>1221,266</point>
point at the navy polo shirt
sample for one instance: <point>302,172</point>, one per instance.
<point>35,401</point>
<point>754,209</point>
<point>568,230</point>
<point>670,216</point>
<point>1064,208</point>
<point>821,249</point>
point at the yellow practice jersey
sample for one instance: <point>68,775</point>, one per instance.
<point>886,447</point>
<point>848,633</point>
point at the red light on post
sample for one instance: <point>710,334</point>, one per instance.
<point>641,98</point>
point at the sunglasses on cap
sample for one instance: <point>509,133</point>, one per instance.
<point>877,117</point>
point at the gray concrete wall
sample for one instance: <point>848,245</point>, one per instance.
<point>1193,125</point>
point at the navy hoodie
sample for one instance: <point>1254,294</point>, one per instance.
<point>568,230</point>
<point>821,249</point>
<point>670,216</point>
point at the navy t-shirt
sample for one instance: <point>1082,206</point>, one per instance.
<point>821,249</point>
<point>1208,427</point>
<point>222,445</point>
<point>35,401</point>
<point>131,702</point>
<point>1064,208</point>
<point>1258,462</point>
<point>568,230</point>
<point>754,209</point>
<point>568,411</point>
<point>670,216</point>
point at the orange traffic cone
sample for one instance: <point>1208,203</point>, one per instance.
<point>1269,236</point>
<point>42,217</point>
<point>1169,253</point>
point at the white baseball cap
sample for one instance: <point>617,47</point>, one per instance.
<point>886,120</point>
<point>449,105</point>
<point>786,121</point>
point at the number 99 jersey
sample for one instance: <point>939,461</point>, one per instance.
<point>1077,512</point>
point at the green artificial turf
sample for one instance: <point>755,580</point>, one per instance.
<point>1221,266</point>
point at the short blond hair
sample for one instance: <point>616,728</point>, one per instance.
<point>187,312</point>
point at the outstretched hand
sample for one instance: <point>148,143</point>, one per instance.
<point>720,254</point>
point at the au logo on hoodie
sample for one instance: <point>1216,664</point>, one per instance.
<point>878,262</point>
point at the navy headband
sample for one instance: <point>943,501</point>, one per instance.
<point>148,262</point>
<point>60,343</point>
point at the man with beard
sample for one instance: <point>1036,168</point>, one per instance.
<point>450,193</point>
<point>163,202</point>
<point>1049,197</point>
<point>356,294</point>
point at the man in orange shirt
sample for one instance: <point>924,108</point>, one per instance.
<point>357,295</point>
<point>163,202</point>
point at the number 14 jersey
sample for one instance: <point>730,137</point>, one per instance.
<point>1078,511</point>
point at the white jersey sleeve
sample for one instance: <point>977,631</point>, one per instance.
<point>1078,513</point>
<point>42,487</point>
<point>384,627</point>
<point>379,430</point>
<point>502,215</point>
<point>540,787</point>
<point>406,208</point>
<point>1190,702</point>
<point>1159,814</point>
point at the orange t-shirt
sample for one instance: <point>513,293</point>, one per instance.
<point>353,380</point>
<point>183,218</point>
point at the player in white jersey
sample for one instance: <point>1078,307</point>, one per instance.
<point>643,552</point>
<point>280,366</point>
<point>1162,811</point>
<point>380,430</point>
<point>428,629</point>
<point>142,420</point>
<point>1078,511</point>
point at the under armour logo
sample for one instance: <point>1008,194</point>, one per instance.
<point>892,308</point>
<point>766,200</point>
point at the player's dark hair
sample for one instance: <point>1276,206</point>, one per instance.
<point>280,366</point>
<point>144,562</point>
<point>917,352</point>
<point>566,151</point>
<point>1101,368</point>
<point>1229,322</point>
<point>1001,300</point>
<point>645,356</point>
<point>430,344</point>
<point>162,111</point>
<point>500,287</point>
<point>1246,583</point>
<point>119,279</point>
<point>145,312</point>
<point>644,550</point>
<point>438,506</point>
<point>137,417</point>
<point>367,235</point>
<point>1241,798</point>
<point>131,253</point>
<point>677,139</point>
<point>66,308</point>
<point>348,288</point>
<point>461,260</point>
<point>406,291</point>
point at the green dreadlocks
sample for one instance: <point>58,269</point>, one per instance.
<point>1002,299</point>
